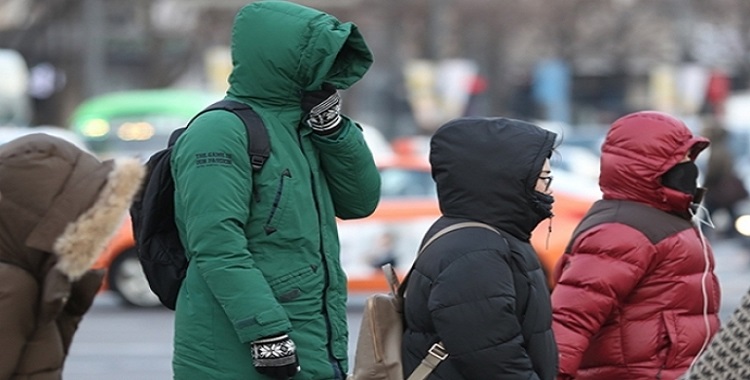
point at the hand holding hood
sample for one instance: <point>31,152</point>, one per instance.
<point>305,48</point>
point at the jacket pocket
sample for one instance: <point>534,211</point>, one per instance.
<point>670,326</point>
<point>292,285</point>
<point>277,205</point>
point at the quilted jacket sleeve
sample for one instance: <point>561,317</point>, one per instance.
<point>82,295</point>
<point>599,274</point>
<point>350,171</point>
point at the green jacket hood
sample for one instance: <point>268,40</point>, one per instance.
<point>280,49</point>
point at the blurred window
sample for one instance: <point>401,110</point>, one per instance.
<point>406,183</point>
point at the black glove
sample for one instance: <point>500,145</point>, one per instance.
<point>276,357</point>
<point>323,109</point>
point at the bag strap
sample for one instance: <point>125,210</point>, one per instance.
<point>454,227</point>
<point>258,144</point>
<point>435,355</point>
<point>259,148</point>
<point>437,352</point>
<point>402,286</point>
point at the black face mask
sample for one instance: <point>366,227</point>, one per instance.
<point>542,204</point>
<point>683,177</point>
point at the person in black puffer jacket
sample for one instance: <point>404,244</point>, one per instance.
<point>484,294</point>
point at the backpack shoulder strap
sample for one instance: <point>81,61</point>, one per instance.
<point>402,286</point>
<point>454,227</point>
<point>258,144</point>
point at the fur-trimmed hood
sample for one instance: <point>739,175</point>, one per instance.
<point>60,205</point>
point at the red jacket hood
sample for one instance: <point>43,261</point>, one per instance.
<point>638,150</point>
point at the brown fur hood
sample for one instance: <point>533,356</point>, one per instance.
<point>59,199</point>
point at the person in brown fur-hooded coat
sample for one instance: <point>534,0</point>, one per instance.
<point>59,206</point>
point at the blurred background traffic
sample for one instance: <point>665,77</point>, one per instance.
<point>116,77</point>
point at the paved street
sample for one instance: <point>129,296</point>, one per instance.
<point>118,343</point>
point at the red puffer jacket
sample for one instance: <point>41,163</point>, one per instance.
<point>636,296</point>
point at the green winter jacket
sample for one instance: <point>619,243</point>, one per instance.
<point>263,247</point>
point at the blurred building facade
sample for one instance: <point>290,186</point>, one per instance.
<point>618,55</point>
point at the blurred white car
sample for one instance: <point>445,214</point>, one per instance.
<point>8,133</point>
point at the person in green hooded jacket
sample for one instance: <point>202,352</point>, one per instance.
<point>265,294</point>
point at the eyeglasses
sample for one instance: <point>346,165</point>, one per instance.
<point>547,181</point>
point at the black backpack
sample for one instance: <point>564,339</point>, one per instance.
<point>157,241</point>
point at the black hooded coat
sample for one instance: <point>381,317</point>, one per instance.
<point>484,295</point>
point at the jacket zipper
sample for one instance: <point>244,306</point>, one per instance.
<point>277,200</point>
<point>326,276</point>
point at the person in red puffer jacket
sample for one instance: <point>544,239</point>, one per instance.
<point>636,294</point>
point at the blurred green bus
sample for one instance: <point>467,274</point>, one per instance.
<point>136,123</point>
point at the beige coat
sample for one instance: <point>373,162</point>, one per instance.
<point>59,206</point>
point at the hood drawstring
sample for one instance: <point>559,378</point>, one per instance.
<point>549,233</point>
<point>700,215</point>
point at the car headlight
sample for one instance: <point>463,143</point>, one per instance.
<point>742,225</point>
